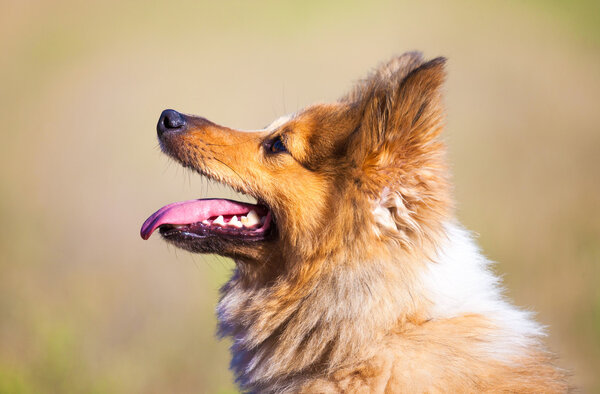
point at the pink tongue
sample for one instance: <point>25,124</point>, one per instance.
<point>192,211</point>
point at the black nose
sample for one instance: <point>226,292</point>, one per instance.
<point>170,120</point>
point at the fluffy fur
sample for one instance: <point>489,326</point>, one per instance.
<point>369,284</point>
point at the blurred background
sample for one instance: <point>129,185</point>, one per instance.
<point>87,306</point>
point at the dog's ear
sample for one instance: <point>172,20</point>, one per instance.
<point>384,78</point>
<point>401,101</point>
<point>402,158</point>
<point>416,112</point>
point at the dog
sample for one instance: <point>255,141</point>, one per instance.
<point>352,273</point>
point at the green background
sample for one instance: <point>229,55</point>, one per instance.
<point>87,306</point>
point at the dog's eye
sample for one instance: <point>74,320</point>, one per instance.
<point>276,145</point>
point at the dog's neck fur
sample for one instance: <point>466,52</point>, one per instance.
<point>289,327</point>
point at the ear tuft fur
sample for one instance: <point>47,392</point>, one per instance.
<point>418,112</point>
<point>404,162</point>
<point>386,75</point>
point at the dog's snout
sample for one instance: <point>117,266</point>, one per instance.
<point>170,120</point>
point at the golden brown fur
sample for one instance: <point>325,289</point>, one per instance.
<point>336,302</point>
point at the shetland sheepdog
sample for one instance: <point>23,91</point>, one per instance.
<point>351,272</point>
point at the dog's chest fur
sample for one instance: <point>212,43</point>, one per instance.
<point>441,327</point>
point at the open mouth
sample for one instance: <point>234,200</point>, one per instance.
<point>205,218</point>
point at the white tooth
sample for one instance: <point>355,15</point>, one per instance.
<point>235,222</point>
<point>219,221</point>
<point>251,219</point>
<point>206,221</point>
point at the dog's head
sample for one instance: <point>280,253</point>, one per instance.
<point>340,175</point>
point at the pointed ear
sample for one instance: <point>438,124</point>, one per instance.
<point>416,113</point>
<point>402,102</point>
<point>402,159</point>
<point>386,76</point>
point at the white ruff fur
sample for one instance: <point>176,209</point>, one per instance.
<point>457,282</point>
<point>460,282</point>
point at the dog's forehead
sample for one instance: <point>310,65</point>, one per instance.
<point>272,126</point>
<point>278,122</point>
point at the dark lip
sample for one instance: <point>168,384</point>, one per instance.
<point>199,231</point>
